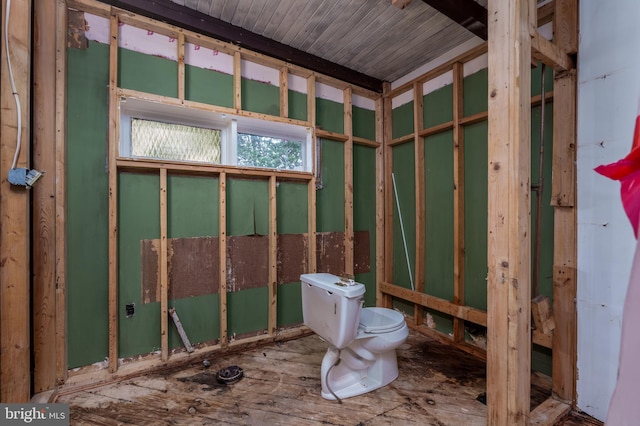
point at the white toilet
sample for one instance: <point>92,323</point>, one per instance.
<point>362,341</point>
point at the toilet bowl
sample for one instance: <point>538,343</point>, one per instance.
<point>362,341</point>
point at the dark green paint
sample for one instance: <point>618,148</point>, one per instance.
<point>260,97</point>
<point>247,311</point>
<point>330,199</point>
<point>536,81</point>
<point>402,120</point>
<point>297,105</point>
<point>364,211</point>
<point>329,115</point>
<point>292,211</point>
<point>147,73</point>
<point>475,215</point>
<point>200,318</point>
<point>404,170</point>
<point>247,207</point>
<point>476,88</point>
<point>138,219</point>
<point>438,106</point>
<point>208,86</point>
<point>439,244</point>
<point>289,304</point>
<point>364,123</point>
<point>192,206</point>
<point>87,205</point>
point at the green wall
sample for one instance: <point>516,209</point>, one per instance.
<point>192,207</point>
<point>438,168</point>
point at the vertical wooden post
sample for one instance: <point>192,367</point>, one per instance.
<point>15,347</point>
<point>273,257</point>
<point>113,195</point>
<point>458,197</point>
<point>60,212</point>
<point>284,92</point>
<point>565,25</point>
<point>181,67</point>
<point>348,182</point>
<point>237,80</point>
<point>164,275</point>
<point>222,225</point>
<point>44,201</point>
<point>311,188</point>
<point>388,191</point>
<point>565,236</point>
<point>509,252</point>
<point>380,255</point>
<point>418,142</point>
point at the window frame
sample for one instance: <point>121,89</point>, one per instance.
<point>229,126</point>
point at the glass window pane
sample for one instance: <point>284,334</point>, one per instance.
<point>154,139</point>
<point>264,151</point>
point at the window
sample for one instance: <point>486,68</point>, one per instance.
<point>175,133</point>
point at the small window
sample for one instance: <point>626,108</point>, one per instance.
<point>166,141</point>
<point>271,152</point>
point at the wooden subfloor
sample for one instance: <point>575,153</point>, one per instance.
<point>438,385</point>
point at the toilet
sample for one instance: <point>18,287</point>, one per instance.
<point>362,341</point>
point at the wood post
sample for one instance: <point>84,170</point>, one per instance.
<point>419,178</point>
<point>15,346</point>
<point>348,182</point>
<point>509,252</point>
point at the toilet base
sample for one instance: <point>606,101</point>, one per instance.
<point>338,380</point>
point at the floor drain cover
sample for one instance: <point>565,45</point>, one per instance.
<point>229,375</point>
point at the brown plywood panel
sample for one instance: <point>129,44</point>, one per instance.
<point>247,262</point>
<point>76,30</point>
<point>330,252</point>
<point>292,257</point>
<point>192,264</point>
<point>193,267</point>
<point>361,258</point>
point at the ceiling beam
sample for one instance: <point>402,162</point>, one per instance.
<point>184,17</point>
<point>468,13</point>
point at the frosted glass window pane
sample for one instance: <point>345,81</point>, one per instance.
<point>165,141</point>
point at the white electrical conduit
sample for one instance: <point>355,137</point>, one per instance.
<point>13,84</point>
<point>404,240</point>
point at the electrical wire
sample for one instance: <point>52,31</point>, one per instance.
<point>13,84</point>
<point>326,378</point>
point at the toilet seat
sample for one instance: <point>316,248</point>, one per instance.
<point>380,320</point>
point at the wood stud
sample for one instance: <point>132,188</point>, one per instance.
<point>418,142</point>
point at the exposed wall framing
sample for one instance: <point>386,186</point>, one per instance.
<point>508,373</point>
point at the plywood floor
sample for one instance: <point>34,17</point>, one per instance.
<point>438,385</point>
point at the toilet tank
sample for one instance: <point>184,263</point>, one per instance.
<point>331,308</point>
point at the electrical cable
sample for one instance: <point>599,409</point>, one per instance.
<point>326,378</point>
<point>13,84</point>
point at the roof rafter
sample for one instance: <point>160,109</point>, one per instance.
<point>468,13</point>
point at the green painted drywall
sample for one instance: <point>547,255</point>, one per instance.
<point>403,168</point>
<point>438,106</point>
<point>289,304</point>
<point>364,211</point>
<point>87,205</point>
<point>536,80</point>
<point>247,207</point>
<point>208,86</point>
<point>475,90</point>
<point>439,244</point>
<point>147,73</point>
<point>292,210</point>
<point>330,199</point>
<point>192,206</point>
<point>200,318</point>
<point>364,123</point>
<point>402,120</point>
<point>247,311</point>
<point>329,115</point>
<point>475,215</point>
<point>297,105</point>
<point>260,97</point>
<point>138,219</point>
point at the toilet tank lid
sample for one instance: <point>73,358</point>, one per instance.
<point>332,283</point>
